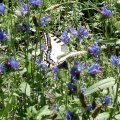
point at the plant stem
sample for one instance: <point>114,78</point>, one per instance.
<point>116,95</point>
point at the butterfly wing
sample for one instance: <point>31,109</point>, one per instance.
<point>71,54</point>
<point>58,48</point>
<point>57,51</point>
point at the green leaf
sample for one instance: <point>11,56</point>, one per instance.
<point>111,41</point>
<point>102,116</point>
<point>43,112</point>
<point>118,42</point>
<point>25,88</point>
<point>102,84</point>
<point>8,107</point>
<point>117,116</point>
<point>29,67</point>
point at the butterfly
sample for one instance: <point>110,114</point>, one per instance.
<point>56,51</point>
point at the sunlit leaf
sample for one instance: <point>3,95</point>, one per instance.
<point>117,116</point>
<point>43,112</point>
<point>102,116</point>
<point>25,88</point>
<point>102,84</point>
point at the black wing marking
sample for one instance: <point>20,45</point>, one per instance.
<point>47,54</point>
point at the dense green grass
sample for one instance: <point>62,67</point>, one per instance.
<point>27,94</point>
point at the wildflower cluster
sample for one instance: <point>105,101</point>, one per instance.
<point>24,34</point>
<point>41,66</point>
<point>2,8</point>
<point>11,63</point>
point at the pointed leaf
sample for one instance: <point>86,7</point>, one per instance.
<point>102,84</point>
<point>44,111</point>
<point>117,116</point>
<point>25,88</point>
<point>102,116</point>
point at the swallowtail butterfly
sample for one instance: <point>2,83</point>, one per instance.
<point>56,51</point>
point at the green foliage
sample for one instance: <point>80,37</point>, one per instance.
<point>30,92</point>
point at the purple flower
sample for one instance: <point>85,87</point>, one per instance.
<point>12,63</point>
<point>23,27</point>
<point>44,20</point>
<point>55,75</point>
<point>43,65</point>
<point>35,2</point>
<point>69,115</point>
<point>93,49</point>
<point>73,32</point>
<point>72,88</point>
<point>81,67</point>
<point>64,37</point>
<point>105,11</point>
<point>106,100</point>
<point>88,107</point>
<point>56,108</point>
<point>54,71</point>
<point>82,89</point>
<point>94,68</point>
<point>38,61</point>
<point>1,68</point>
<point>43,47</point>
<point>2,35</point>
<point>76,70</point>
<point>115,60</point>
<point>2,8</point>
<point>75,73</point>
<point>23,9</point>
<point>82,32</point>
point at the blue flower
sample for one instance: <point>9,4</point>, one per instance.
<point>81,67</point>
<point>72,88</point>
<point>105,11</point>
<point>2,8</point>
<point>106,100</point>
<point>82,32</point>
<point>76,70</point>
<point>73,32</point>
<point>12,63</point>
<point>82,89</point>
<point>54,71</point>
<point>43,65</point>
<point>23,9</point>
<point>23,27</point>
<point>38,61</point>
<point>55,75</point>
<point>35,2</point>
<point>94,68</point>
<point>43,47</point>
<point>115,60</point>
<point>44,20</point>
<point>64,37</point>
<point>69,115</point>
<point>88,107</point>
<point>2,68</point>
<point>93,49</point>
<point>56,108</point>
<point>2,35</point>
<point>74,73</point>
